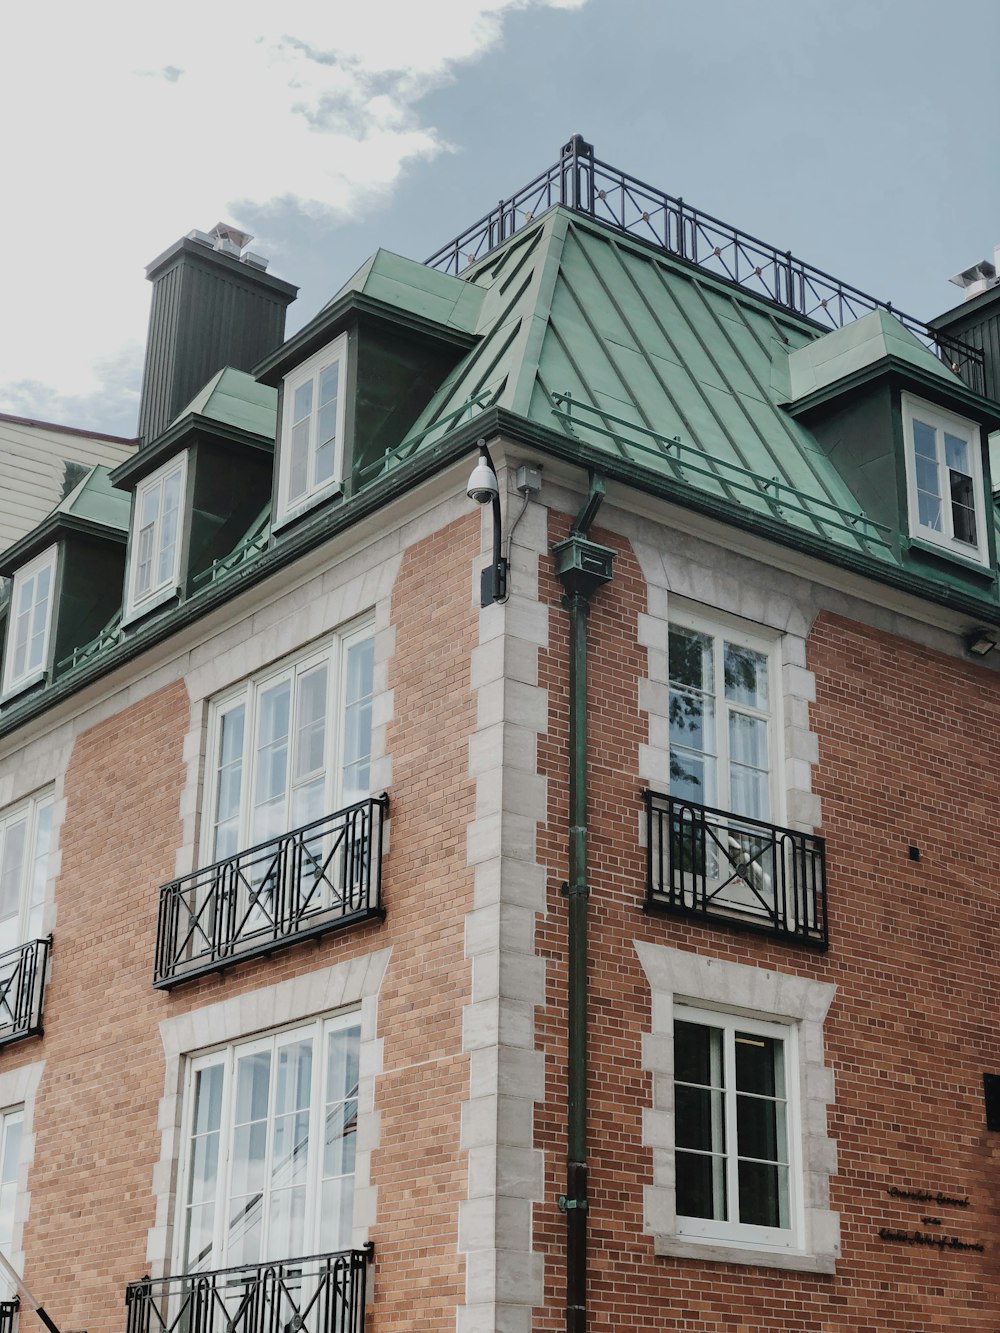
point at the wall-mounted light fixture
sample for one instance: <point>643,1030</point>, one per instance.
<point>981,642</point>
<point>484,488</point>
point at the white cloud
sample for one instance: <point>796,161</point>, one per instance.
<point>126,125</point>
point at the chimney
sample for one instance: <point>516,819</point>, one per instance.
<point>214,305</point>
<point>979,278</point>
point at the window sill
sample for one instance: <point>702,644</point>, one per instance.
<point>288,516</point>
<point>150,604</point>
<point>951,554</point>
<point>680,1247</point>
<point>12,692</point>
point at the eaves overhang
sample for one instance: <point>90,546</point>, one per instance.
<point>397,482</point>
<point>50,531</point>
<point>334,319</point>
<point>894,370</point>
<point>182,435</point>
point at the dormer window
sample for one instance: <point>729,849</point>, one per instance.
<point>944,480</point>
<point>30,622</point>
<point>154,564</point>
<point>311,449</point>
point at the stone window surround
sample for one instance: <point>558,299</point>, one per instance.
<point>674,975</point>
<point>19,1088</point>
<point>353,983</point>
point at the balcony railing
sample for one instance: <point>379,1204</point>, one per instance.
<point>322,1294</point>
<point>584,183</point>
<point>22,983</point>
<point>713,864</point>
<point>318,878</point>
<point>8,1315</point>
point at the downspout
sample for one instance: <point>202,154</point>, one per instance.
<point>582,566</point>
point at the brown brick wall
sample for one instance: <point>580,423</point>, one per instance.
<point>907,756</point>
<point>96,1113</point>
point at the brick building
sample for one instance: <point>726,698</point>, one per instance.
<point>587,921</point>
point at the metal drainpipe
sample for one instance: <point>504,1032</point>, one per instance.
<point>582,566</point>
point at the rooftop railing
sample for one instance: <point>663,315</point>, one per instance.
<point>22,985</point>
<point>712,864</point>
<point>582,182</point>
<point>321,1294</point>
<point>8,1315</point>
<point>318,878</point>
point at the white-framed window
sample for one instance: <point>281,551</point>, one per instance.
<point>29,623</point>
<point>290,746</point>
<point>735,1129</point>
<point>25,844</point>
<point>155,550</point>
<point>11,1134</point>
<point>311,444</point>
<point>269,1147</point>
<point>723,715</point>
<point>738,1126</point>
<point>944,479</point>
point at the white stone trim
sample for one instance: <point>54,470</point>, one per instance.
<point>504,1273</point>
<point>354,982</point>
<point>692,571</point>
<point>757,992</point>
<point>319,607</point>
<point>19,1087</point>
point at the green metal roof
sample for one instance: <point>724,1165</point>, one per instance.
<point>649,359</point>
<point>97,501</point>
<point>407,285</point>
<point>235,398</point>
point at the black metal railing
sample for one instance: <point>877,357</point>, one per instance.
<point>22,985</point>
<point>582,182</point>
<point>8,1315</point>
<point>321,1294</point>
<point>711,863</point>
<point>315,879</point>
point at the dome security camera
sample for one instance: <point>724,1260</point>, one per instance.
<point>483,486</point>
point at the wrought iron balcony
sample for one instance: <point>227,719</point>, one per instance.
<point>22,983</point>
<point>713,864</point>
<point>318,878</point>
<point>8,1315</point>
<point>321,1294</point>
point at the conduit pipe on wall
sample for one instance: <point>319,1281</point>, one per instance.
<point>582,566</point>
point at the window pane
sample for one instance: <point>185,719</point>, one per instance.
<point>310,737</point>
<point>699,1119</point>
<point>168,529</point>
<point>298,453</point>
<point>760,1065</point>
<point>326,427</point>
<point>272,762</point>
<point>746,676</point>
<point>229,783</point>
<point>11,878</point>
<point>956,454</point>
<point>749,792</point>
<point>701,1187</point>
<point>357,745</point>
<point>760,1128</point>
<point>690,657</point>
<point>924,439</point>
<point>929,511</point>
<point>927,476</point>
<point>763,1194</point>
<point>963,507</point>
<point>698,1054</point>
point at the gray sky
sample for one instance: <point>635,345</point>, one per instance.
<point>862,136</point>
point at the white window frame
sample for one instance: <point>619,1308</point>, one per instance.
<point>315,1027</point>
<point>159,590</point>
<point>940,420</point>
<point>680,982</point>
<point>31,897</point>
<point>10,1117</point>
<point>722,627</point>
<point>732,1231</point>
<point>14,682</point>
<point>309,372</point>
<point>334,653</point>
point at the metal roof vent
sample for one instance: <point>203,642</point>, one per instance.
<point>979,278</point>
